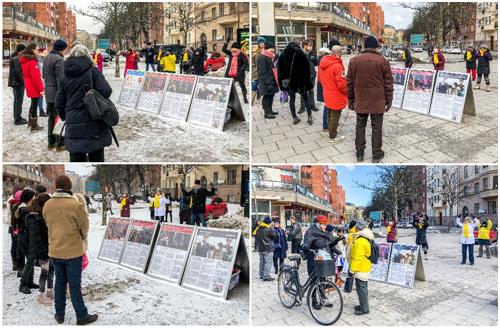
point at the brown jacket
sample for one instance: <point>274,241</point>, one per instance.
<point>68,225</point>
<point>369,82</point>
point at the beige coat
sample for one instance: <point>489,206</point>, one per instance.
<point>68,225</point>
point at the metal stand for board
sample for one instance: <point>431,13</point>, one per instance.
<point>235,105</point>
<point>242,261</point>
<point>419,272</point>
<point>469,106</point>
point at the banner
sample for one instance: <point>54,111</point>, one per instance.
<point>131,88</point>
<point>114,239</point>
<point>403,264</point>
<point>418,92</point>
<point>449,97</point>
<point>379,271</point>
<point>178,95</point>
<point>211,261</point>
<point>209,105</point>
<point>138,244</point>
<point>152,92</point>
<point>171,252</point>
<point>399,75</point>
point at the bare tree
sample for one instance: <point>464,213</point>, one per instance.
<point>184,16</point>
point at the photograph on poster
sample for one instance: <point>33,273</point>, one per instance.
<point>451,83</point>
<point>117,229</point>
<point>420,81</point>
<point>404,254</point>
<point>181,84</point>
<point>216,92</point>
<point>399,75</point>
<point>131,88</point>
<point>214,248</point>
<point>141,234</point>
<point>174,238</point>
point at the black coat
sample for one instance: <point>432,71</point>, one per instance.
<point>298,74</point>
<point>83,135</point>
<point>38,236</point>
<point>199,198</point>
<point>315,239</point>
<point>23,237</point>
<point>471,64</point>
<point>242,64</point>
<point>267,82</point>
<point>149,54</point>
<point>319,87</point>
<point>53,66</point>
<point>265,238</point>
<point>197,62</point>
<point>483,63</point>
<point>16,78</point>
<point>313,62</point>
<point>421,232</point>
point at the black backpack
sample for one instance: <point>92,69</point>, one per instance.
<point>374,254</point>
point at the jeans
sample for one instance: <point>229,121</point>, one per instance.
<point>267,103</point>
<point>307,103</point>
<point>362,291</point>
<point>325,117</point>
<point>40,103</point>
<point>18,101</point>
<point>265,264</point>
<point>198,216</point>
<point>69,272</point>
<point>53,139</point>
<point>96,156</point>
<point>34,108</point>
<point>47,277</point>
<point>377,121</point>
<point>333,122</point>
<point>151,213</point>
<point>160,218</point>
<point>28,271</point>
<point>152,66</point>
<point>471,253</point>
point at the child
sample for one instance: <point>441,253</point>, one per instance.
<point>483,66</point>
<point>483,238</point>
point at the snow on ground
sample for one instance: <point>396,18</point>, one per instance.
<point>143,137</point>
<point>122,296</point>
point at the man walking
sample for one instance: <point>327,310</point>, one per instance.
<point>264,240</point>
<point>198,196</point>
<point>108,203</point>
<point>369,91</point>
<point>16,82</point>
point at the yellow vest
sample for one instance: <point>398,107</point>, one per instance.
<point>360,252</point>
<point>484,232</point>
<point>168,63</point>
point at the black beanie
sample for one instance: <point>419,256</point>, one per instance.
<point>20,47</point>
<point>60,45</point>
<point>332,43</point>
<point>235,45</point>
<point>27,195</point>
<point>371,42</point>
<point>269,45</point>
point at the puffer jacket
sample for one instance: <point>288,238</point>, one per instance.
<point>334,85</point>
<point>38,236</point>
<point>20,215</point>
<point>360,252</point>
<point>265,238</point>
<point>15,72</point>
<point>31,73</point>
<point>483,62</point>
<point>53,72</point>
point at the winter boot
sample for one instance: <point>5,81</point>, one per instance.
<point>488,88</point>
<point>310,120</point>
<point>296,120</point>
<point>20,122</point>
<point>88,320</point>
<point>245,99</point>
<point>43,114</point>
<point>34,124</point>
<point>24,289</point>
<point>43,299</point>
<point>60,320</point>
<point>478,86</point>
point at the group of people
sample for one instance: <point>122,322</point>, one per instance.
<point>477,63</point>
<point>160,206</point>
<point>50,231</point>
<point>468,224</point>
<point>63,77</point>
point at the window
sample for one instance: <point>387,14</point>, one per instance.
<point>214,35</point>
<point>476,169</point>
<point>214,13</point>
<point>228,31</point>
<point>202,16</point>
<point>476,187</point>
<point>495,182</point>
<point>216,178</point>
<point>231,177</point>
<point>232,7</point>
<point>476,208</point>
<point>221,9</point>
<point>485,183</point>
<point>466,190</point>
<point>465,172</point>
<point>492,207</point>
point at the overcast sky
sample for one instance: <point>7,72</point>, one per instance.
<point>79,168</point>
<point>84,22</point>
<point>397,16</point>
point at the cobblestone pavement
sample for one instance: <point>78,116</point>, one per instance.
<point>407,137</point>
<point>453,294</point>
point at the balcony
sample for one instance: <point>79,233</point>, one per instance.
<point>24,174</point>
<point>489,193</point>
<point>15,21</point>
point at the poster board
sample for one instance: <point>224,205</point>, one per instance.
<point>450,93</point>
<point>178,95</point>
<point>171,251</point>
<point>403,264</point>
<point>131,88</point>
<point>114,238</point>
<point>210,101</point>
<point>418,92</point>
<point>211,261</point>
<point>152,92</point>
<point>399,77</point>
<point>138,244</point>
<point>380,270</point>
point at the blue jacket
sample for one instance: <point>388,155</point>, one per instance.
<point>280,245</point>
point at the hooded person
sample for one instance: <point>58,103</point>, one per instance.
<point>197,62</point>
<point>16,82</point>
<point>237,65</point>
<point>261,45</point>
<point>421,224</point>
<point>267,76</point>
<point>483,66</point>
<point>470,57</point>
<point>265,238</point>
<point>319,88</point>
<point>198,196</point>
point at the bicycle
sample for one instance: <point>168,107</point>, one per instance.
<point>322,293</point>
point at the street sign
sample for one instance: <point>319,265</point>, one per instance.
<point>103,43</point>
<point>417,39</point>
<point>376,216</point>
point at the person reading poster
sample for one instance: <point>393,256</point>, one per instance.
<point>131,88</point>
<point>178,95</point>
<point>418,92</point>
<point>114,239</point>
<point>152,92</point>
<point>399,75</point>
<point>450,92</point>
<point>403,264</point>
<point>138,244</point>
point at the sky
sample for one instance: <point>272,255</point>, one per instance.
<point>84,22</point>
<point>396,16</point>
<point>347,176</point>
<point>80,168</point>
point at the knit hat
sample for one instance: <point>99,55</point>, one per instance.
<point>483,45</point>
<point>17,196</point>
<point>235,45</point>
<point>371,42</point>
<point>60,45</point>
<point>333,42</point>
<point>267,220</point>
<point>321,219</point>
<point>27,195</point>
<point>20,47</point>
<point>261,40</point>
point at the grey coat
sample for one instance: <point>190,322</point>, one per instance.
<point>52,74</point>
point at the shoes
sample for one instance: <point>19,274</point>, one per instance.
<point>357,308</point>
<point>360,155</point>
<point>60,148</point>
<point>359,312</point>
<point>59,320</point>
<point>274,113</point>
<point>478,256</point>
<point>477,87</point>
<point>302,110</point>
<point>51,146</point>
<point>276,272</point>
<point>462,263</point>
<point>21,122</point>
<point>49,293</point>
<point>337,139</point>
<point>315,109</point>
<point>43,114</point>
<point>43,299</point>
<point>268,279</point>
<point>296,120</point>
<point>310,120</point>
<point>471,264</point>
<point>377,158</point>
<point>33,123</point>
<point>88,320</point>
<point>269,116</point>
<point>245,100</point>
<point>316,306</point>
<point>325,130</point>
<point>25,290</point>
<point>487,89</point>
<point>488,257</point>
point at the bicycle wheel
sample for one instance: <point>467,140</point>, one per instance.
<point>325,302</point>
<point>287,288</point>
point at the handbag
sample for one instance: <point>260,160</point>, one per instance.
<point>59,126</point>
<point>286,82</point>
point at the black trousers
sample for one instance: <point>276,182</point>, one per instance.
<point>34,107</point>
<point>18,101</point>
<point>96,156</point>
<point>377,121</point>
<point>278,262</point>
<point>243,88</point>
<point>166,216</point>
<point>53,139</point>
<point>152,66</point>
<point>307,103</point>
<point>310,95</point>
<point>28,271</point>
<point>267,103</point>
<point>13,250</point>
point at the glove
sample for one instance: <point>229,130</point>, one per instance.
<point>388,106</point>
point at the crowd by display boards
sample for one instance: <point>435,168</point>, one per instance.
<point>203,101</point>
<point>199,259</point>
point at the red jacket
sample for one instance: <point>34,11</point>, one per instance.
<point>129,62</point>
<point>440,65</point>
<point>99,62</point>
<point>31,73</point>
<point>392,231</point>
<point>330,74</point>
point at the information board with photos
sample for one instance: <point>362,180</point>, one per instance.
<point>399,75</point>
<point>379,271</point>
<point>171,251</point>
<point>403,264</point>
<point>450,94</point>
<point>152,92</point>
<point>418,92</point>
<point>138,244</point>
<point>113,241</point>
<point>178,95</point>
<point>131,88</point>
<point>211,261</point>
<point>210,100</point>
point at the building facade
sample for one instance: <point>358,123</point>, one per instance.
<point>441,181</point>
<point>478,186</point>
<point>487,24</point>
<point>30,176</point>
<point>76,181</point>
<point>87,39</point>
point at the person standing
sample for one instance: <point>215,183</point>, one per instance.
<point>295,235</point>
<point>267,77</point>
<point>184,210</point>
<point>197,62</point>
<point>151,202</point>
<point>68,227</point>
<point>108,203</point>
<point>28,199</point>
<point>98,60</point>
<point>198,196</point>
<point>12,205</point>
<point>42,53</point>
<point>168,207</point>
<point>85,139</point>
<point>421,225</point>
<point>159,204</point>
<point>319,88</point>
<point>307,47</point>
<point>125,203</point>
<point>167,62</point>
<point>261,45</point>
<point>53,73</point>
<point>129,60</point>
<point>294,77</point>
<point>264,240</point>
<point>32,82</point>
<point>185,59</point>
<point>280,247</point>
<point>391,230</point>
<point>407,57</point>
<point>438,59</point>
<point>237,64</point>
<point>149,53</point>
<point>158,58</point>
<point>483,66</point>
<point>483,238</point>
<point>467,238</point>
<point>16,82</point>
<point>470,57</point>
<point>334,86</point>
<point>370,91</point>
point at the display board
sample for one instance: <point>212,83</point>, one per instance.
<point>114,239</point>
<point>138,244</point>
<point>450,93</point>
<point>177,96</point>
<point>399,75</point>
<point>379,271</point>
<point>418,91</point>
<point>403,264</point>
<point>171,252</point>
<point>210,101</point>
<point>152,92</point>
<point>131,88</point>
<point>211,261</point>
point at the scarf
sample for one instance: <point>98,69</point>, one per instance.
<point>481,52</point>
<point>389,229</point>
<point>466,230</point>
<point>156,201</point>
<point>404,55</point>
<point>271,55</point>
<point>436,59</point>
<point>185,58</point>
<point>95,58</point>
<point>123,203</point>
<point>233,70</point>
<point>469,55</point>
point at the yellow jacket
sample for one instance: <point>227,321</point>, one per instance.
<point>484,232</point>
<point>168,63</point>
<point>350,236</point>
<point>360,251</point>
<point>158,57</point>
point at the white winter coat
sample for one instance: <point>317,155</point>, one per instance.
<point>160,212</point>
<point>469,239</point>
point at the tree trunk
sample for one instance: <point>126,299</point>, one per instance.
<point>439,36</point>
<point>103,210</point>
<point>117,64</point>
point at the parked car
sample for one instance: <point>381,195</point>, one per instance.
<point>454,50</point>
<point>408,225</point>
<point>105,56</point>
<point>214,62</point>
<point>215,207</point>
<point>493,234</point>
<point>400,225</point>
<point>417,49</point>
<point>376,224</point>
<point>97,197</point>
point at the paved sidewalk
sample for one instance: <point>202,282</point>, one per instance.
<point>407,137</point>
<point>454,294</point>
